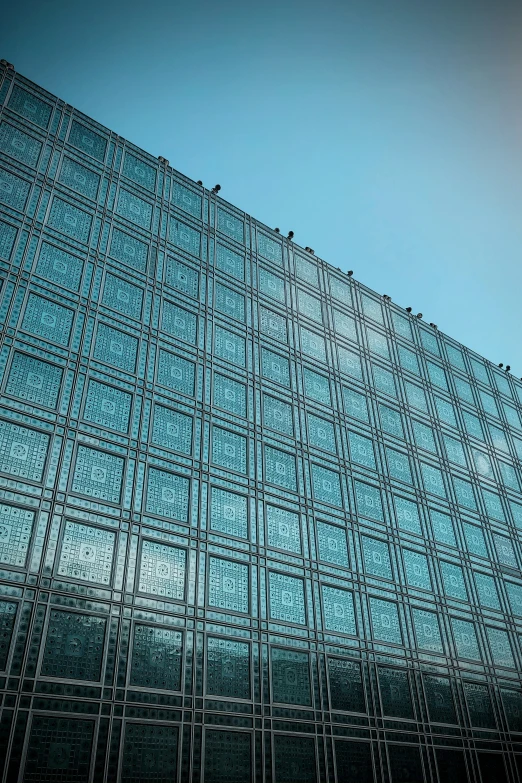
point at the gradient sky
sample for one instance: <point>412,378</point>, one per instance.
<point>387,135</point>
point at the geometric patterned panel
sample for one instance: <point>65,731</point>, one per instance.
<point>229,346</point>
<point>228,668</point>
<point>439,696</point>
<point>107,406</point>
<point>228,585</point>
<point>283,529</point>
<point>167,495</point>
<point>277,415</point>
<point>229,450</point>
<point>179,323</point>
<point>295,759</point>
<point>176,373</point>
<point>116,348</point>
<point>229,262</point>
<point>29,106</point>
<point>326,485</point>
<point>385,621</point>
<point>33,380</point>
<point>465,639</point>
<point>22,451</point>
<point>150,753</point>
<point>479,705</point>
<point>417,570</point>
<point>395,690</point>
<point>227,756</point>
<point>287,598</point>
<point>7,621</point>
<point>230,302</point>
<point>120,295</point>
<point>162,570</point>
<point>156,658</point>
<point>13,190</point>
<point>182,277</point>
<point>405,763</point>
<point>229,395</point>
<point>79,178</point>
<point>59,266</point>
<point>172,429</point>
<point>85,139</point>
<point>134,209</point>
<point>87,553</point>
<point>74,646</point>
<point>47,319</point>
<point>16,528</point>
<point>59,750</point>
<point>354,760</point>
<point>275,367</point>
<point>128,250</point>
<point>228,513</point>
<point>271,285</point>
<point>98,474</point>
<point>339,613</point>
<point>280,468</point>
<point>346,685</point>
<point>427,630</point>
<point>376,557</point>
<point>290,676</point>
<point>321,433</point>
<point>139,171</point>
<point>70,220</point>
<point>332,544</point>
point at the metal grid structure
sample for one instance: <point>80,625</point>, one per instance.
<point>256,522</point>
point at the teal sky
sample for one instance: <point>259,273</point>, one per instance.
<point>387,135</point>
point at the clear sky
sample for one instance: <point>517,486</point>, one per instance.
<point>386,134</point>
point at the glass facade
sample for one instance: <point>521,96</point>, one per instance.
<point>256,522</point>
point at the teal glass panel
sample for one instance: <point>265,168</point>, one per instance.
<point>509,476</point>
<point>227,756</point>
<point>437,375</point>
<point>287,602</point>
<point>505,552</point>
<point>228,668</point>
<point>394,685</point>
<point>228,513</point>
<point>479,705</point>
<point>340,290</point>
<point>59,749</point>
<point>384,381</point>
<point>229,262</point>
<point>229,395</point>
<point>7,240</point>
<point>309,306</point>
<point>361,450</point>
<point>405,762</point>
<point>417,570</point>
<point>22,451</point>
<point>74,646</point>
<point>453,580</point>
<point>407,515</point>
<point>344,325</point>
<point>33,380</point>
<point>312,344</point>
<point>275,367</point>
<point>229,346</point>
<point>176,373</point>
<point>464,493</point>
<point>79,178</point>
<point>271,285</point>
<point>150,752</point>
<point>162,570</point>
<point>487,591</point>
<point>317,387</point>
<point>372,309</point>
<point>321,433</point>
<point>16,529</point>
<point>369,502</point>
<point>464,390</point>
<point>440,699</point>
<point>514,591</point>
<point>473,425</point>
<point>305,270</point>
<point>273,325</point>
<point>398,465</point>
<point>475,541</point>
<point>424,437</point>
<point>156,658</point>
<point>401,326</point>
<point>87,140</point>
<point>346,685</point>
<point>98,474</point>
<point>408,360</point>
<point>278,415</point>
<point>268,248</point>
<point>355,405</point>
<point>493,505</point>
<point>378,343</point>
<point>512,701</point>
<point>353,759</point>
<point>385,621</point>
<point>433,480</point>
<point>280,468</point>
<point>179,323</point>
<point>376,557</point>
<point>290,677</point>
<point>454,450</point>
<point>172,429</point>
<point>427,631</point>
<point>332,544</point>
<point>350,363</point>
<point>14,191</point>
<point>48,319</point>
<point>167,495</point>
<point>500,647</point>
<point>283,529</point>
<point>230,302</point>
<point>184,236</point>
<point>416,396</point>
<point>488,403</point>
<point>455,357</point>
<point>182,277</point>
<point>465,637</point>
<point>29,106</point>
<point>134,209</point>
<point>229,450</point>
<point>136,169</point>
<point>498,437</point>
<point>128,250</point>
<point>7,621</point>
<point>326,485</point>
<point>59,266</point>
<point>228,585</point>
<point>429,342</point>
<point>294,759</point>
<point>391,421</point>
<point>122,296</point>
<point>87,553</point>
<point>186,199</point>
<point>107,407</point>
<point>338,610</point>
<point>116,348</point>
